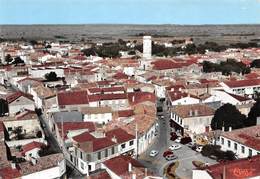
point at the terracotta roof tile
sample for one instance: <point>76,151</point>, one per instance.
<point>120,135</point>
<point>72,98</point>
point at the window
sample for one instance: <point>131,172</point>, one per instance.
<point>123,146</point>
<point>99,155</point>
<point>229,143</point>
<point>76,152</point>
<point>250,152</point>
<point>113,150</point>
<point>71,158</point>
<point>89,167</point>
<point>9,129</point>
<point>82,165</point>
<point>106,153</point>
<point>131,143</point>
<point>235,146</point>
<point>243,149</point>
<point>222,141</point>
<point>81,155</point>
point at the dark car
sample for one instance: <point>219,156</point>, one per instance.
<point>167,152</point>
<point>171,157</point>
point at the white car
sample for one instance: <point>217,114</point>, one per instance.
<point>175,147</point>
<point>199,149</point>
<point>153,153</point>
<point>178,140</point>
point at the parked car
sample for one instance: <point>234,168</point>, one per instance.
<point>178,140</point>
<point>185,140</point>
<point>199,148</point>
<point>175,147</point>
<point>167,152</point>
<point>171,157</point>
<point>190,144</point>
<point>153,153</point>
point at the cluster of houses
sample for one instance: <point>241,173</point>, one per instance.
<point>103,111</point>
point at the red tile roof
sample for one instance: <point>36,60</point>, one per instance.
<point>97,143</point>
<point>252,76</point>
<point>31,146</point>
<point>239,98</point>
<point>126,113</point>
<point>139,97</point>
<point>100,175</point>
<point>9,173</point>
<point>249,136</point>
<point>120,135</point>
<point>175,95</point>
<point>16,95</point>
<point>101,97</point>
<point>119,165</point>
<point>72,98</point>
<point>84,137</point>
<point>169,64</point>
<point>70,126</point>
<point>120,75</point>
<point>243,168</point>
<point>101,143</point>
<point>243,83</point>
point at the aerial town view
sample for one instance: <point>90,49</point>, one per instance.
<point>129,89</point>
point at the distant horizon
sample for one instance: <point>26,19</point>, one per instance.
<point>121,24</point>
<point>135,12</point>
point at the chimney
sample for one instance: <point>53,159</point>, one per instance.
<point>34,161</point>
<point>129,167</point>
<point>114,139</point>
<point>134,176</point>
<point>230,128</point>
<point>190,112</point>
<point>180,89</point>
<point>223,128</point>
<point>13,165</point>
<point>172,89</point>
<point>196,112</point>
<point>133,99</point>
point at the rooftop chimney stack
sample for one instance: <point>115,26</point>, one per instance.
<point>191,113</point>
<point>196,112</point>
<point>230,128</point>
<point>13,165</point>
<point>129,167</point>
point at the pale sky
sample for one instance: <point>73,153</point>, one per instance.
<point>130,11</point>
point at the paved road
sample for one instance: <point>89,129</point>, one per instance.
<point>72,172</point>
<point>185,154</point>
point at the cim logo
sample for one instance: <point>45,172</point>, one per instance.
<point>243,172</point>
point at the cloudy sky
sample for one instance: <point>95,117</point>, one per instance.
<point>130,11</point>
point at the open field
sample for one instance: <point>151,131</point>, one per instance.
<point>101,33</point>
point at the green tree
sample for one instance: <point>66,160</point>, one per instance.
<point>253,114</point>
<point>8,58</point>
<point>52,76</point>
<point>227,116</point>
<point>3,107</point>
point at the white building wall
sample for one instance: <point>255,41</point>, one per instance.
<point>242,151</point>
<point>185,101</point>
<point>200,174</point>
<point>51,173</point>
<point>98,118</point>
